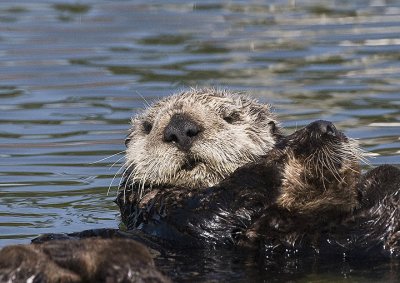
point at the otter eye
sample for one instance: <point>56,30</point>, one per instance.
<point>232,117</point>
<point>147,126</point>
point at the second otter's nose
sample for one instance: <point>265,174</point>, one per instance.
<point>181,130</point>
<point>323,128</point>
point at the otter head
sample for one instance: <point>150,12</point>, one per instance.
<point>196,138</point>
<point>321,170</point>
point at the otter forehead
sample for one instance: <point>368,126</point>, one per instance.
<point>198,137</point>
<point>215,102</point>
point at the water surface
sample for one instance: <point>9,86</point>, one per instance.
<point>71,76</point>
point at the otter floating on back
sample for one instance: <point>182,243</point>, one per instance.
<point>311,176</point>
<point>313,171</point>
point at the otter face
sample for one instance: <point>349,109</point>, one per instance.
<point>197,138</point>
<point>322,170</point>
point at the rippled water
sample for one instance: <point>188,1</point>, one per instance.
<point>71,75</point>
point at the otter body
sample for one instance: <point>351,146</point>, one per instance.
<point>306,195</point>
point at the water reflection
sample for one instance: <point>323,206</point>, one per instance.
<point>71,75</point>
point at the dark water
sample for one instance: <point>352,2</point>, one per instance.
<point>73,72</point>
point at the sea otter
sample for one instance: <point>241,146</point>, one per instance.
<point>314,170</point>
<point>305,193</point>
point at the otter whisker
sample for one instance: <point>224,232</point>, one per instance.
<point>139,181</point>
<point>322,176</point>
<point>318,164</point>
<point>119,159</point>
<point>335,172</point>
<point>134,176</point>
<point>334,156</point>
<point>127,180</point>
<point>112,181</point>
<point>357,151</point>
<point>144,99</point>
<point>329,156</point>
<point>105,158</point>
<point>142,187</point>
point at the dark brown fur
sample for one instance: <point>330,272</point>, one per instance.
<point>286,180</point>
<point>86,260</point>
<point>336,212</point>
<point>306,196</point>
<point>321,171</point>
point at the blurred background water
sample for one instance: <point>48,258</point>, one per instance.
<point>72,73</point>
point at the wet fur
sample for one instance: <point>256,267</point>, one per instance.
<point>249,209</point>
<point>302,195</point>
<point>73,261</point>
<point>305,197</point>
<point>259,201</point>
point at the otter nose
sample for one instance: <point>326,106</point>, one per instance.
<point>323,128</point>
<point>181,130</point>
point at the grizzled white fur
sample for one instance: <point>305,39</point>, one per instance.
<point>235,130</point>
